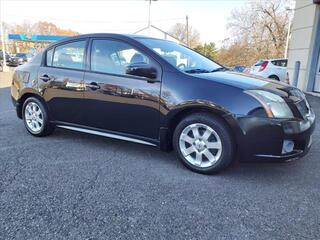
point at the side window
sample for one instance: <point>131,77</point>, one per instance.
<point>284,63</point>
<point>280,63</point>
<point>49,57</point>
<point>70,55</point>
<point>108,56</point>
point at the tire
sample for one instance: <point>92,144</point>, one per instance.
<point>274,77</point>
<point>189,147</point>
<point>33,111</point>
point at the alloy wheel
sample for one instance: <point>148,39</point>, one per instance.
<point>33,117</point>
<point>200,145</point>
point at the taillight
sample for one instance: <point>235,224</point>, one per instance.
<point>263,66</point>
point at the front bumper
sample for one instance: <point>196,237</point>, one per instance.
<point>263,138</point>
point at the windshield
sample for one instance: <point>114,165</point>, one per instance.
<point>181,57</point>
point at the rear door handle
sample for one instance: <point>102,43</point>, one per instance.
<point>93,86</point>
<point>45,78</point>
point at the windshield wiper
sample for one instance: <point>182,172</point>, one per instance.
<point>197,70</point>
<point>219,69</point>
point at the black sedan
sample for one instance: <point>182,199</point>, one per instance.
<point>20,58</point>
<point>160,93</point>
<point>7,57</point>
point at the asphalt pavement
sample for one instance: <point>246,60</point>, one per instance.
<point>76,186</point>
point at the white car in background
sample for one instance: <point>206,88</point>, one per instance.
<point>272,68</point>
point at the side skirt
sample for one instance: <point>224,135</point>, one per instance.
<point>114,135</point>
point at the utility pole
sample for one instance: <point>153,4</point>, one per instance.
<point>187,30</point>
<point>149,15</point>
<point>4,64</point>
<point>149,19</point>
<point>287,40</point>
<point>289,31</point>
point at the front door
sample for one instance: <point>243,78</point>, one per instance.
<point>116,101</point>
<point>61,80</point>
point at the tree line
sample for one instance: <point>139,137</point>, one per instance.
<point>258,31</point>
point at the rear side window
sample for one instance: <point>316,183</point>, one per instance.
<point>49,57</point>
<point>280,63</point>
<point>284,63</point>
<point>70,55</point>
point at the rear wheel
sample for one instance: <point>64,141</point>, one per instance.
<point>35,117</point>
<point>203,143</point>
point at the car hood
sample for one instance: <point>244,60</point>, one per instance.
<point>248,82</point>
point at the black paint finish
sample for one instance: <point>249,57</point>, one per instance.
<point>149,109</point>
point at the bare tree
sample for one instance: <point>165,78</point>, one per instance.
<point>45,28</point>
<point>261,28</point>
<point>30,28</point>
<point>179,31</point>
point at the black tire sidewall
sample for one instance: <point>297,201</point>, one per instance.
<point>274,77</point>
<point>221,129</point>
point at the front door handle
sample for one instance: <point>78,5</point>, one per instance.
<point>93,86</point>
<point>45,78</point>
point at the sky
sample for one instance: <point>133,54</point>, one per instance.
<point>209,17</point>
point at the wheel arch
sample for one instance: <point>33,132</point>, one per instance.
<point>24,96</point>
<point>177,115</point>
<point>274,76</point>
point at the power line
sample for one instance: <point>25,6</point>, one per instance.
<point>90,21</point>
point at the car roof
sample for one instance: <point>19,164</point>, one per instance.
<point>109,35</point>
<point>276,59</point>
<point>116,35</point>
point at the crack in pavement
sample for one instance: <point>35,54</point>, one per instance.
<point>81,195</point>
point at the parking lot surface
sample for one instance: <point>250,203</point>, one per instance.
<point>77,186</point>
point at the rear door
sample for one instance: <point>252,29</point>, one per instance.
<point>116,101</point>
<point>61,80</point>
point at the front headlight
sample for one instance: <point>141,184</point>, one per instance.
<point>274,105</point>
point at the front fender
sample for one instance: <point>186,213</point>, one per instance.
<point>178,112</point>
<point>192,106</point>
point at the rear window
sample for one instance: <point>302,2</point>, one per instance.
<point>70,55</point>
<point>280,63</point>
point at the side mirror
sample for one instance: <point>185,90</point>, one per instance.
<point>142,70</point>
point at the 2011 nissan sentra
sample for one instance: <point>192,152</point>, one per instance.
<point>163,94</point>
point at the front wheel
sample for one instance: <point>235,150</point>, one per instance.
<point>203,143</point>
<point>35,117</point>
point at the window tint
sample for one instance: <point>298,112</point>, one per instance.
<point>70,55</point>
<point>284,63</point>
<point>49,57</point>
<point>280,63</point>
<point>110,56</point>
<point>179,56</point>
